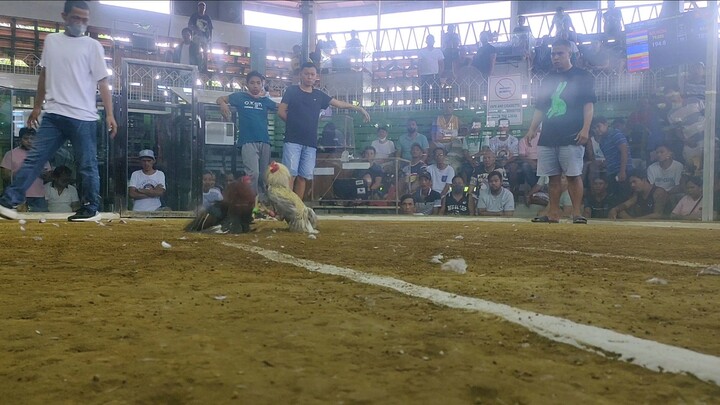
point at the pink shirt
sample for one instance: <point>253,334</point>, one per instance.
<point>530,152</point>
<point>13,161</point>
<point>688,206</point>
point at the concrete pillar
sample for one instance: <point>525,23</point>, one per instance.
<point>309,28</point>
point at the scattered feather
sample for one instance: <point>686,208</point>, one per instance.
<point>165,245</point>
<point>437,259</point>
<point>457,265</point>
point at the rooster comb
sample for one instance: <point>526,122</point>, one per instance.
<point>274,167</point>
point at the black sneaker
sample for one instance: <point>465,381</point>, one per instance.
<point>7,211</point>
<point>85,215</point>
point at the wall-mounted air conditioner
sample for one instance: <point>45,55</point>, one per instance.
<point>219,133</point>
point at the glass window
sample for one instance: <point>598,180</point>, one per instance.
<point>280,22</point>
<point>417,18</point>
<point>360,23</point>
<point>155,6</point>
<point>488,11</point>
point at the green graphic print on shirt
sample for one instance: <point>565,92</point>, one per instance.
<point>558,106</point>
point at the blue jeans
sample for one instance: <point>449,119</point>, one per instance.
<point>54,131</point>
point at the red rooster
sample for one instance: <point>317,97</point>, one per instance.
<point>233,213</point>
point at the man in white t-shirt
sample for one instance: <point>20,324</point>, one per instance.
<point>441,172</point>
<point>384,148</point>
<point>73,69</point>
<point>666,172</point>
<point>146,185</point>
<point>430,64</point>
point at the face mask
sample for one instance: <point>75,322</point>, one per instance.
<point>76,30</point>
<point>410,130</point>
<point>458,189</point>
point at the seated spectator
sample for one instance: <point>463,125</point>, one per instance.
<point>407,205</point>
<point>447,125</point>
<point>479,179</point>
<point>330,139</point>
<point>147,185</point>
<point>295,61</point>
<point>406,141</point>
<point>384,148</point>
<point>451,49</point>
<point>599,202</point>
<point>447,130</point>
<point>456,202</point>
<point>353,47</point>
<point>427,200</point>
<point>61,196</point>
<point>415,167</point>
<point>647,201</point>
<point>561,22</point>
<point>687,115</point>
<point>13,161</point>
<point>522,35</point>
<point>495,201</point>
<point>694,85</point>
<point>528,157</point>
<point>188,52</point>
<point>211,193</point>
<point>472,152</point>
<point>442,173</point>
<point>690,206</point>
<point>484,59</point>
<point>539,195</point>
<point>612,21</point>
<point>596,58</point>
<point>666,172</point>
<point>542,61</point>
<point>616,150</point>
<point>507,149</point>
<point>373,176</point>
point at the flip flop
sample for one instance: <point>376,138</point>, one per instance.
<point>580,220</point>
<point>545,219</point>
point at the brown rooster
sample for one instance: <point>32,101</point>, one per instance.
<point>233,213</point>
<point>283,203</point>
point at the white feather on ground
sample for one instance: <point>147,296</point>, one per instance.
<point>457,265</point>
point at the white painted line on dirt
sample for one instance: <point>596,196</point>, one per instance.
<point>646,353</point>
<point>623,257</point>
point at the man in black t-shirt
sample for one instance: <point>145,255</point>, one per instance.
<point>599,203</point>
<point>300,109</point>
<point>565,109</point>
<point>484,59</point>
<point>201,26</point>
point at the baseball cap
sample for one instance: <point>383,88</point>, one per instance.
<point>146,153</point>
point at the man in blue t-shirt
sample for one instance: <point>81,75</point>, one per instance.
<point>300,109</point>
<point>616,150</point>
<point>254,141</point>
<point>565,109</point>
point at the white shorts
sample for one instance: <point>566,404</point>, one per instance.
<point>557,160</point>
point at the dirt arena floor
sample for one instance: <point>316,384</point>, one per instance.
<point>103,313</point>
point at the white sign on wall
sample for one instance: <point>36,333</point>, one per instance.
<point>504,99</point>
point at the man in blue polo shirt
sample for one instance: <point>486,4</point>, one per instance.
<point>254,140</point>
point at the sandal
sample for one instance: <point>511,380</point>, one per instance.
<point>579,220</point>
<point>545,219</point>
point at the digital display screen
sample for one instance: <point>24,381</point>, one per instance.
<point>666,42</point>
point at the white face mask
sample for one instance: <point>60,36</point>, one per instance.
<point>76,30</point>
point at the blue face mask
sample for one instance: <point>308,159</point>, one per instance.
<point>76,30</point>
